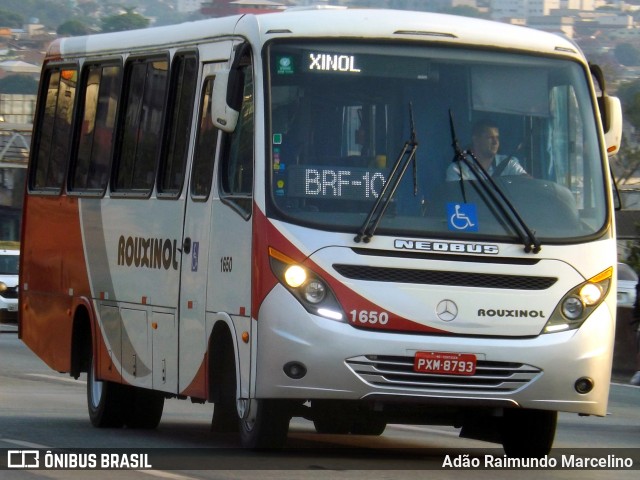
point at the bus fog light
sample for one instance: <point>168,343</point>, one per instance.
<point>295,276</point>
<point>572,308</point>
<point>295,370</point>
<point>584,385</point>
<point>315,291</point>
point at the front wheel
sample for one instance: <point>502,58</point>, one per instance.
<point>528,433</point>
<point>105,401</point>
<point>269,428</point>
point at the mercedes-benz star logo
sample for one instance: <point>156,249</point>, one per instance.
<point>447,310</point>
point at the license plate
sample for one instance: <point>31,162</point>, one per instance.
<point>445,363</point>
<point>13,307</point>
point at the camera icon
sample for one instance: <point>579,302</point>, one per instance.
<point>23,459</point>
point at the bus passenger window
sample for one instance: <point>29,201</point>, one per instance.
<point>237,169</point>
<point>184,75</point>
<point>54,129</point>
<point>90,168</point>
<point>205,152</point>
<point>141,125</point>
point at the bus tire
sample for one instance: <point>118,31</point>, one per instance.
<point>143,408</point>
<point>105,401</point>
<point>270,427</point>
<point>528,433</point>
<point>225,412</point>
<point>368,426</point>
<point>331,417</point>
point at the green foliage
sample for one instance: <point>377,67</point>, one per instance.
<point>627,54</point>
<point>633,259</point>
<point>73,28</point>
<point>10,19</point>
<point>22,84</point>
<point>128,21</point>
<point>629,94</point>
<point>50,13</point>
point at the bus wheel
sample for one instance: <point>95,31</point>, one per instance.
<point>331,417</point>
<point>269,428</point>
<point>368,426</point>
<point>143,408</point>
<point>105,401</point>
<point>528,433</point>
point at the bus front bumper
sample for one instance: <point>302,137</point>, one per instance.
<point>346,363</point>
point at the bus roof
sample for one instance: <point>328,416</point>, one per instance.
<point>326,23</point>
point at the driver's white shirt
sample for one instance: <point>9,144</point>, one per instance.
<point>512,168</point>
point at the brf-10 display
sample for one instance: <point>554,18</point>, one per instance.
<point>340,183</point>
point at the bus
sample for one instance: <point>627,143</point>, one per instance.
<point>255,211</point>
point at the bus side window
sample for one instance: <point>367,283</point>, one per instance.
<point>237,167</point>
<point>100,89</point>
<point>206,143</point>
<point>140,129</point>
<point>53,130</point>
<point>184,77</point>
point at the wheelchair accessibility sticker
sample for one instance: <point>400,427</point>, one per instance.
<point>462,217</point>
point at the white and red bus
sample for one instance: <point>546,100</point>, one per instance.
<point>255,211</point>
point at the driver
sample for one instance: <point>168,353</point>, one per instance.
<point>486,142</point>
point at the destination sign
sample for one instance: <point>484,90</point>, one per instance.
<point>335,182</point>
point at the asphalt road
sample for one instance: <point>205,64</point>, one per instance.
<point>46,411</point>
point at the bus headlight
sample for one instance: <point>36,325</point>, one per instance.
<point>572,308</point>
<point>591,293</point>
<point>295,276</point>
<point>576,306</point>
<point>307,287</point>
<point>315,291</point>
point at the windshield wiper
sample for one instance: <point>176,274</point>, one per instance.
<point>491,188</point>
<point>406,156</point>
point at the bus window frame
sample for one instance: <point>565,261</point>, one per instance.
<point>48,68</point>
<point>73,157</point>
<point>130,62</point>
<point>184,54</point>
<point>204,114</point>
<point>234,200</point>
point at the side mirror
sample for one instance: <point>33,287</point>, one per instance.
<point>223,115</point>
<point>610,112</point>
<point>612,123</point>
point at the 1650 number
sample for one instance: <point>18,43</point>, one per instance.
<point>370,317</point>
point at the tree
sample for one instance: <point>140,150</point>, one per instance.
<point>627,54</point>
<point>10,19</point>
<point>126,21</point>
<point>73,28</point>
<point>50,13</point>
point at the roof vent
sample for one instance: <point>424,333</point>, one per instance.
<point>425,34</point>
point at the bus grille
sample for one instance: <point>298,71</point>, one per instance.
<point>397,372</point>
<point>437,277</point>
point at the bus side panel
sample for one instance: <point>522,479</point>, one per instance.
<point>53,272</point>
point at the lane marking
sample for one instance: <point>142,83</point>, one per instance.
<point>424,429</point>
<point>21,443</point>
<point>53,377</point>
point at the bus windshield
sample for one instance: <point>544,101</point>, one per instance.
<point>341,113</point>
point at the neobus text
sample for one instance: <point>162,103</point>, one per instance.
<point>445,247</point>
